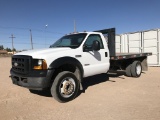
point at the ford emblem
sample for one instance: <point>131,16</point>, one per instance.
<point>15,64</point>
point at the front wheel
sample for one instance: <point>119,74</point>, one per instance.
<point>65,86</point>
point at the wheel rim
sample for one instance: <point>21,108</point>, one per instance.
<point>67,87</point>
<point>138,69</point>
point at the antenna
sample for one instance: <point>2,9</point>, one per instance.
<point>45,33</point>
<point>31,39</point>
<point>75,26</point>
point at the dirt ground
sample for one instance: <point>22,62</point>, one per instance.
<point>105,98</point>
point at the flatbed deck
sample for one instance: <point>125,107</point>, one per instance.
<point>120,56</point>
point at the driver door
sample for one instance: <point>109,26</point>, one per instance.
<point>94,62</point>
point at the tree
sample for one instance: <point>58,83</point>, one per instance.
<point>14,49</point>
<point>8,49</point>
<point>1,47</point>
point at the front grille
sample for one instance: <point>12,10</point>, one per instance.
<point>20,64</point>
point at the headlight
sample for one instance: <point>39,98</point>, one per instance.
<point>39,64</point>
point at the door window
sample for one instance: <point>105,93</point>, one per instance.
<point>90,39</point>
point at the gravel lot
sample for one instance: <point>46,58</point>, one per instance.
<point>105,98</point>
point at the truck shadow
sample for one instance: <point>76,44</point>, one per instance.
<point>45,93</point>
<point>94,80</point>
<point>97,79</point>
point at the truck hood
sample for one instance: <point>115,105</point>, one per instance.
<point>51,54</point>
<point>42,53</point>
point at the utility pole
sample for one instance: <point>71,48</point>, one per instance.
<point>12,36</point>
<point>74,26</point>
<point>31,39</point>
<point>45,33</point>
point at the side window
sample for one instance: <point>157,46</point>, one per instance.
<point>92,38</point>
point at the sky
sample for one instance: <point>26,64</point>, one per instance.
<point>49,20</point>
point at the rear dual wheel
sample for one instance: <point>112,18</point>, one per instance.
<point>128,70</point>
<point>134,69</point>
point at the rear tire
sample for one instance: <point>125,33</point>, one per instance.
<point>65,86</point>
<point>128,71</point>
<point>136,69</point>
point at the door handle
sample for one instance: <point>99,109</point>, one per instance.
<point>106,54</point>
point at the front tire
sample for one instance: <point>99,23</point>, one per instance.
<point>65,86</point>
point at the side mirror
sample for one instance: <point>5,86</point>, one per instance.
<point>85,49</point>
<point>96,45</point>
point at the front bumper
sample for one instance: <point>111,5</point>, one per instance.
<point>36,80</point>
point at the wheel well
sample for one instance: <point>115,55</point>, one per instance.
<point>67,67</point>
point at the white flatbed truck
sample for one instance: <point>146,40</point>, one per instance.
<point>62,67</point>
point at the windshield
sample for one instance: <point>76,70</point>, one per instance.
<point>72,41</point>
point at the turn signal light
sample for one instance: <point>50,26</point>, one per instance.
<point>42,64</point>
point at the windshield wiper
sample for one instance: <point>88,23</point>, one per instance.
<point>64,46</point>
<point>61,46</point>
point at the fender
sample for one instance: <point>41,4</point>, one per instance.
<point>66,60</point>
